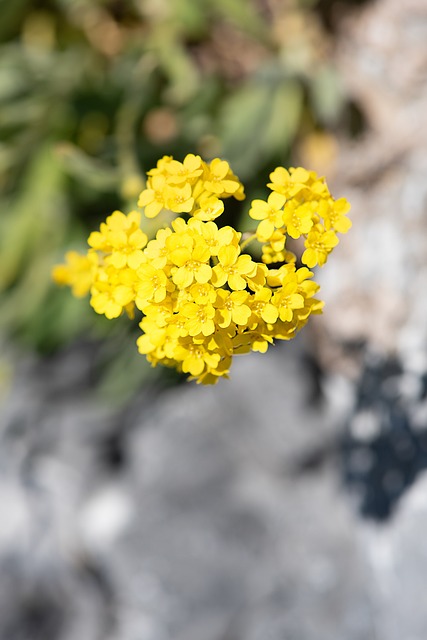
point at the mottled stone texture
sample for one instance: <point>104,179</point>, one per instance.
<point>196,514</point>
<point>376,282</point>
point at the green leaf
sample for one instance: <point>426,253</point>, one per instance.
<point>242,118</point>
<point>176,63</point>
<point>92,172</point>
<point>285,114</point>
<point>258,122</point>
<point>33,218</point>
<point>11,14</point>
<point>245,16</point>
<point>326,95</point>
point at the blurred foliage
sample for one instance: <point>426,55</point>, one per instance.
<point>93,92</point>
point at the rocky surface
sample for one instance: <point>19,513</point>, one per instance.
<point>376,283</point>
<point>199,513</point>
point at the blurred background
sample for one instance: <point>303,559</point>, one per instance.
<point>289,503</point>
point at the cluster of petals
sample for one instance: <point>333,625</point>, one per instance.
<point>192,186</point>
<point>202,298</point>
<point>299,205</point>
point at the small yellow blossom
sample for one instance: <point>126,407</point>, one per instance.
<point>200,318</point>
<point>195,358</point>
<point>153,286</point>
<point>156,251</point>
<point>178,199</point>
<point>293,182</point>
<point>232,269</point>
<point>110,292</point>
<point>287,300</point>
<point>213,237</point>
<point>209,208</point>
<point>219,179</point>
<point>262,308</point>
<point>194,269</point>
<point>203,293</point>
<point>152,199</point>
<point>187,171</point>
<point>232,307</point>
<point>120,236</point>
<point>319,244</point>
<point>334,215</point>
<point>298,218</point>
<point>180,246</point>
<point>77,272</point>
<point>270,213</point>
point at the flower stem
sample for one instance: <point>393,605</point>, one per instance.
<point>247,241</point>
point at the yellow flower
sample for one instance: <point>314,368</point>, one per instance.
<point>275,251</point>
<point>262,308</point>
<point>270,213</point>
<point>162,167</point>
<point>156,251</point>
<point>232,269</point>
<point>211,376</point>
<point>251,341</point>
<point>232,307</point>
<point>209,208</point>
<point>203,293</point>
<point>178,199</point>
<point>213,237</point>
<point>187,171</point>
<point>195,268</point>
<point>202,299</point>
<point>219,179</point>
<point>121,237</point>
<point>298,218</point>
<point>319,244</point>
<point>152,199</point>
<point>200,318</point>
<point>257,280</point>
<point>195,358</point>
<point>157,343</point>
<point>153,286</point>
<point>282,182</point>
<point>293,182</point>
<point>77,273</point>
<point>334,214</point>
<point>287,300</point>
<point>180,246</point>
<point>111,291</point>
<point>159,314</point>
<point>116,222</point>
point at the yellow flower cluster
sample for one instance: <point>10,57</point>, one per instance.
<point>300,204</point>
<point>202,298</point>
<point>191,186</point>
